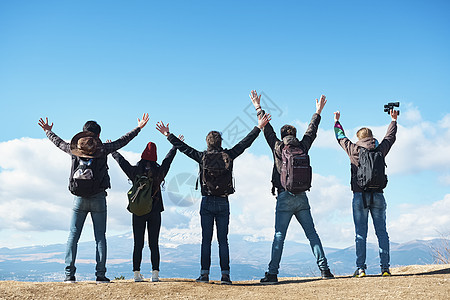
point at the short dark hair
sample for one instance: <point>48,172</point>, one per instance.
<point>288,130</point>
<point>92,126</point>
<point>214,139</point>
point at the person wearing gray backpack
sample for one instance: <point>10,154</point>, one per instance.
<point>368,180</point>
<point>291,177</point>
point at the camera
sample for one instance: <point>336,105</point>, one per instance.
<point>391,105</point>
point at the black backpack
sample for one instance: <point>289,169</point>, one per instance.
<point>371,175</point>
<point>87,175</point>
<point>217,176</point>
<point>296,171</point>
<point>140,198</point>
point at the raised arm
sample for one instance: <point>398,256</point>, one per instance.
<point>124,140</point>
<point>165,165</point>
<point>269,133</point>
<point>349,147</point>
<point>390,137</point>
<point>126,167</point>
<point>60,143</point>
<point>247,141</point>
<point>177,143</point>
<point>311,132</point>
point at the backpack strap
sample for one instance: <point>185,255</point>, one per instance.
<point>365,203</point>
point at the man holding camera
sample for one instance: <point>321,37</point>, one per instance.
<point>368,197</point>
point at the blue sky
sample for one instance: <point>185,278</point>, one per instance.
<point>193,64</point>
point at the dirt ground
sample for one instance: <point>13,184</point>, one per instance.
<point>410,282</point>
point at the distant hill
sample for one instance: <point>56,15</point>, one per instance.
<point>248,259</point>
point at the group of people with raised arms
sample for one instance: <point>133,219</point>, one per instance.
<point>291,178</point>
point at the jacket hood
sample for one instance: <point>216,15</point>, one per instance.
<point>214,149</point>
<point>368,143</point>
<point>291,140</point>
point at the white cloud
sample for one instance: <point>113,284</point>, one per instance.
<point>35,201</point>
<point>420,145</point>
<point>421,221</point>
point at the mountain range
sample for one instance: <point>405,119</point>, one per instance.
<point>248,259</point>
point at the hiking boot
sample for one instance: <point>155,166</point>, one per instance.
<point>138,276</point>
<point>203,278</point>
<point>155,276</point>
<point>225,279</point>
<point>70,279</point>
<point>359,273</point>
<point>102,279</point>
<point>326,274</point>
<point>385,272</point>
<point>269,278</point>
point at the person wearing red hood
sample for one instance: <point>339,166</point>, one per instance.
<point>152,220</point>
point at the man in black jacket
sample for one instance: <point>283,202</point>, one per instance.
<point>214,207</point>
<point>151,220</point>
<point>289,204</point>
<point>87,145</point>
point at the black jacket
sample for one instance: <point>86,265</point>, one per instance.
<point>196,155</point>
<point>159,172</point>
<point>276,145</point>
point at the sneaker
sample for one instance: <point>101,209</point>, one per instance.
<point>138,276</point>
<point>225,279</point>
<point>269,278</point>
<point>70,279</point>
<point>203,278</point>
<point>385,272</point>
<point>102,279</point>
<point>155,276</point>
<point>359,273</point>
<point>326,274</point>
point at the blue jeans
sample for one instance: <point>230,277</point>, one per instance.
<point>377,209</point>
<point>289,205</point>
<point>96,205</point>
<point>216,209</point>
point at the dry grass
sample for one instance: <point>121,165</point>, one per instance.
<point>411,282</point>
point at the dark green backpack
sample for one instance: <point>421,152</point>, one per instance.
<point>140,198</point>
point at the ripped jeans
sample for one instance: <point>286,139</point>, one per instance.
<point>289,205</point>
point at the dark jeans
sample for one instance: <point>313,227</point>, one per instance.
<point>153,223</point>
<point>218,209</point>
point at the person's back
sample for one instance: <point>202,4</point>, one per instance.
<point>366,199</point>
<point>215,165</point>
<point>88,182</point>
<point>292,202</point>
<point>150,219</point>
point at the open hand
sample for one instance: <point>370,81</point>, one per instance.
<point>256,100</point>
<point>262,121</point>
<point>45,124</point>
<point>164,129</point>
<point>320,104</point>
<point>143,122</point>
